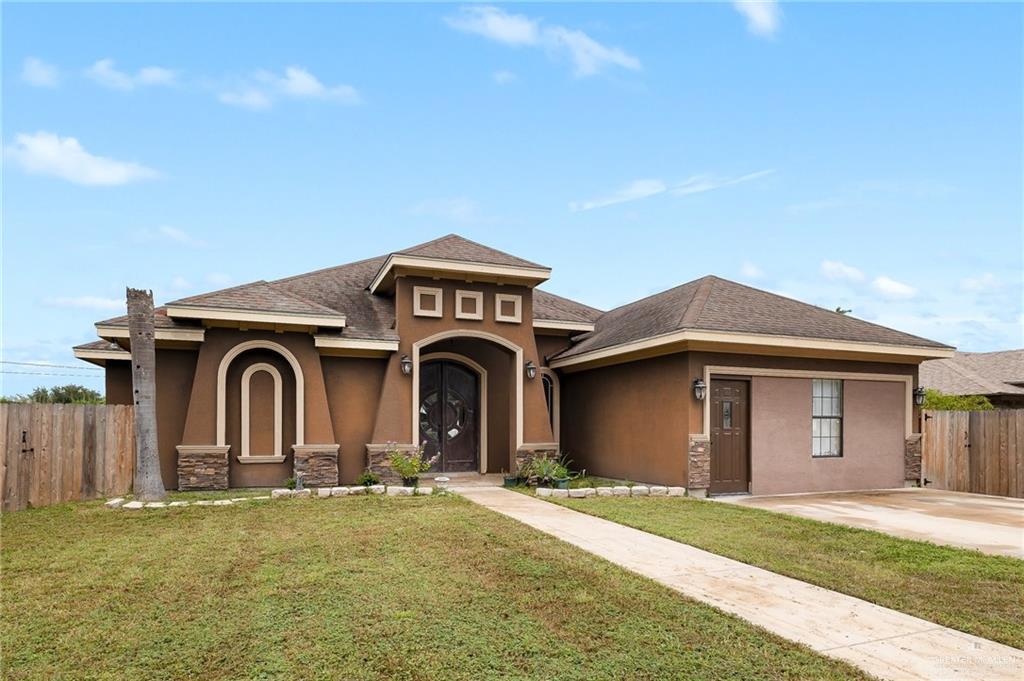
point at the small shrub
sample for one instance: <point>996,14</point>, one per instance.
<point>933,399</point>
<point>290,483</point>
<point>409,465</point>
<point>367,478</point>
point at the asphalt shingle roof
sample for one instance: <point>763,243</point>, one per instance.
<point>709,303</point>
<point>714,304</point>
<point>976,373</point>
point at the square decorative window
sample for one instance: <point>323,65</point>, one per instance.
<point>427,301</point>
<point>826,417</point>
<point>508,308</point>
<point>469,305</point>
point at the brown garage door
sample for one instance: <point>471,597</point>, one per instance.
<point>730,428</point>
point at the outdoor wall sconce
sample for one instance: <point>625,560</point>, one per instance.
<point>531,370</point>
<point>699,389</point>
<point>406,365</point>
<point>919,396</point>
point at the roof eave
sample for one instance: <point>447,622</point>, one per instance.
<point>688,339</point>
<point>224,314</point>
<point>384,278</point>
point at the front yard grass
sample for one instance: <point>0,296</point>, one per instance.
<point>354,588</point>
<point>962,589</point>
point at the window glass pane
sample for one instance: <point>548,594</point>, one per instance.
<point>726,414</point>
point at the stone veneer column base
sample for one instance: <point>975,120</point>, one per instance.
<point>318,464</point>
<point>202,467</point>
<point>912,460</point>
<point>699,465</point>
<point>526,453</point>
<point>378,461</point>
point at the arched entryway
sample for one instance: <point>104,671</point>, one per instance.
<point>452,412</point>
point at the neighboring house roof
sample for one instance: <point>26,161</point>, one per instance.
<point>976,373</point>
<point>714,304</point>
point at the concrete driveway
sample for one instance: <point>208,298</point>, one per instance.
<point>989,524</point>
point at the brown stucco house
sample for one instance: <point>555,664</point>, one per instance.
<point>711,385</point>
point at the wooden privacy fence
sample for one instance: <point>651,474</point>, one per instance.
<point>974,451</point>
<point>54,453</point>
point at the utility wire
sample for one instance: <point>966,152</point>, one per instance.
<point>50,366</point>
<point>44,373</point>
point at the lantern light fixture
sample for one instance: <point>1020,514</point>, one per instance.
<point>406,365</point>
<point>919,395</point>
<point>699,389</point>
<point>531,370</point>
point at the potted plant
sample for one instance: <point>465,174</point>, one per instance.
<point>409,465</point>
<point>561,476</point>
<point>509,480</point>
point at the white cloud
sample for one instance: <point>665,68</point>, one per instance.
<point>981,283</point>
<point>495,24</point>
<point>763,16</point>
<point>835,270</point>
<point>104,73</point>
<point>460,209</point>
<point>642,189</point>
<point>891,288</point>
<point>38,73</point>
<point>247,98</point>
<point>635,190</point>
<point>88,303</point>
<point>296,82</point>
<point>706,183</point>
<point>45,153</point>
<point>180,284</point>
<point>503,77</point>
<point>751,271</point>
<point>587,55</point>
<point>218,278</point>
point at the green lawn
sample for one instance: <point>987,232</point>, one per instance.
<point>965,590</point>
<point>354,588</point>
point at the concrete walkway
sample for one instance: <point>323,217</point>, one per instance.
<point>882,642</point>
<point>989,524</point>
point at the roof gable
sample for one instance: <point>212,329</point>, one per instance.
<point>455,247</point>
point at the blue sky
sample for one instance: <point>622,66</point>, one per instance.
<point>862,155</point>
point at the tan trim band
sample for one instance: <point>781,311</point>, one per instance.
<point>246,386</point>
<point>555,325</point>
<point>517,370</point>
<point>439,264</point>
<point>355,343</point>
<point>241,315</point>
<point>98,354</point>
<point>222,375</point>
<point>752,339</point>
<point>189,335</point>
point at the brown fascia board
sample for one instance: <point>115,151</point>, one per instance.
<point>480,269</point>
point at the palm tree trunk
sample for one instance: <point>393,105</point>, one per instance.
<point>148,485</point>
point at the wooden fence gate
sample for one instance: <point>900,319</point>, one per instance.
<point>976,451</point>
<point>54,453</point>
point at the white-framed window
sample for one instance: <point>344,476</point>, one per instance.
<point>508,308</point>
<point>826,417</point>
<point>469,305</point>
<point>427,301</point>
